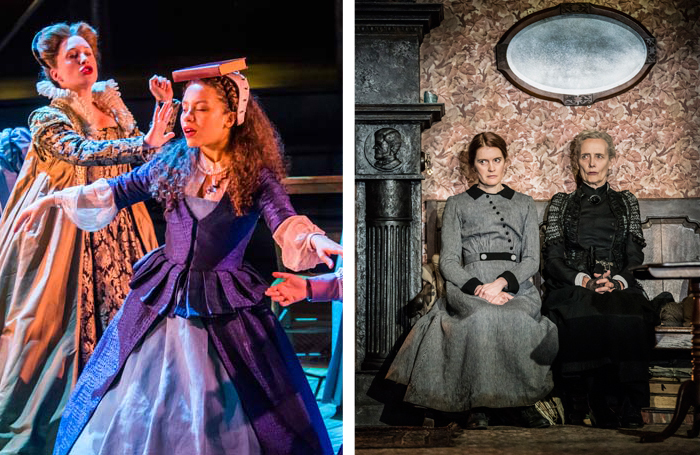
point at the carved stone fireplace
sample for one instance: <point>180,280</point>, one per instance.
<point>389,120</point>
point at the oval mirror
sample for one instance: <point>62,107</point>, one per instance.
<point>576,53</point>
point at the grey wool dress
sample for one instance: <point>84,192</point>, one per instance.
<point>466,352</point>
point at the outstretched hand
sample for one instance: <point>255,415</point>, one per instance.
<point>31,214</point>
<point>325,248</point>
<point>291,290</point>
<point>161,88</point>
<point>157,136</point>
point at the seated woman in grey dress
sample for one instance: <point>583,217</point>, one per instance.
<point>486,345</point>
<point>606,323</point>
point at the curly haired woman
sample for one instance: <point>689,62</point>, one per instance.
<point>195,362</point>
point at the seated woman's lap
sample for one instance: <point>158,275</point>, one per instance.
<point>592,326</point>
<point>461,305</point>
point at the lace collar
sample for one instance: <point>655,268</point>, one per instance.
<point>105,95</point>
<point>204,167</point>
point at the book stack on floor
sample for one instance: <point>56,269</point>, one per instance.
<point>663,385</point>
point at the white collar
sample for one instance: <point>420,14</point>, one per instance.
<point>206,167</point>
<point>210,167</point>
<point>105,95</point>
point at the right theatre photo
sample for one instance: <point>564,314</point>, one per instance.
<point>527,227</point>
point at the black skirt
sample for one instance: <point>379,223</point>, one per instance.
<point>613,330</point>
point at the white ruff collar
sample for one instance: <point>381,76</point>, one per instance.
<point>105,95</point>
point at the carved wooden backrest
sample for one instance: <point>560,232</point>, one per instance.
<point>672,231</point>
<point>671,228</point>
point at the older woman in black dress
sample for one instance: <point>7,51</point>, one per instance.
<point>605,322</point>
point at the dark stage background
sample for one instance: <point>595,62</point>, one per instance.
<point>293,50</point>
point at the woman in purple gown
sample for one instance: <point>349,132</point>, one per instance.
<point>195,362</point>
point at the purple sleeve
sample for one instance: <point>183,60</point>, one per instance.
<point>131,187</point>
<point>273,200</point>
<point>326,287</point>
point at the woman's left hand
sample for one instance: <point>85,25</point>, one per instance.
<point>617,285</point>
<point>161,88</point>
<point>325,248</point>
<point>489,291</point>
<point>291,290</point>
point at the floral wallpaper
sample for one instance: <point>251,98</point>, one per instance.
<point>655,125</point>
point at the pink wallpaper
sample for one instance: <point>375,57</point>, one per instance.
<point>655,125</point>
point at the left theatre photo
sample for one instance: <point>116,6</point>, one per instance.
<point>171,268</point>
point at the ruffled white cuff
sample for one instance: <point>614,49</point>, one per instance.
<point>90,207</point>
<point>294,238</point>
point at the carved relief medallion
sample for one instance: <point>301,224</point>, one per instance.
<point>382,149</point>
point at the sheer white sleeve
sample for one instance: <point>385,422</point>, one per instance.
<point>90,207</point>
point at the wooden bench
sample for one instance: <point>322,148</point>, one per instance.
<point>672,231</point>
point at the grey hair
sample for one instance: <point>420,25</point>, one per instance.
<point>591,134</point>
<point>578,141</point>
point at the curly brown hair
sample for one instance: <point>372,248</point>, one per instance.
<point>252,146</point>
<point>48,40</point>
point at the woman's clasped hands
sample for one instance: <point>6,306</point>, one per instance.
<point>601,283</point>
<point>493,292</point>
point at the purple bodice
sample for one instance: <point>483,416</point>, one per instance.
<point>216,242</point>
<point>200,271</point>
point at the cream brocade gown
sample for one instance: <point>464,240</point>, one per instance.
<point>60,286</point>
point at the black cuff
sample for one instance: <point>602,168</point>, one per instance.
<point>513,285</point>
<point>470,286</point>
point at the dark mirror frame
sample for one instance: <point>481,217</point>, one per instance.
<point>567,9</point>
